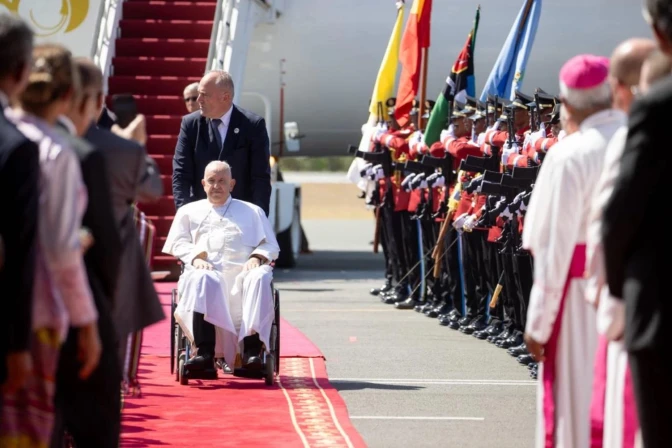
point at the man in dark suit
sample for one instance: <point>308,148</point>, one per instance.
<point>635,254</point>
<point>222,131</point>
<point>90,410</point>
<point>134,176</point>
<point>19,175</point>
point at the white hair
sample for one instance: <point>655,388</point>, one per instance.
<point>192,86</point>
<point>218,165</point>
<point>585,99</point>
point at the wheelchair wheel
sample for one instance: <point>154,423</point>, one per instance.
<point>270,369</point>
<point>172,331</point>
<point>183,378</point>
<point>177,353</point>
<point>276,329</point>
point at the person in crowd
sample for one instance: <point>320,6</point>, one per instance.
<point>635,250</point>
<point>62,295</point>
<point>612,421</point>
<point>19,184</point>
<point>560,332</point>
<point>190,95</point>
<point>90,410</point>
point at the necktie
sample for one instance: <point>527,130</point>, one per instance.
<point>215,128</point>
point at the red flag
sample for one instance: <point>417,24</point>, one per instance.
<point>415,38</point>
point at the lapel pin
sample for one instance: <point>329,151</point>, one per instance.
<point>235,131</point>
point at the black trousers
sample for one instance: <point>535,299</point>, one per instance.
<point>476,289</point>
<point>410,245</point>
<point>509,295</point>
<point>492,274</point>
<point>651,372</point>
<point>524,268</point>
<point>90,410</point>
<point>451,280</point>
<point>429,235</point>
<point>391,223</point>
<point>384,243</point>
<point>205,337</point>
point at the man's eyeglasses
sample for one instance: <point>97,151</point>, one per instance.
<point>190,98</point>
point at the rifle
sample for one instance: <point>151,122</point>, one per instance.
<point>538,105</point>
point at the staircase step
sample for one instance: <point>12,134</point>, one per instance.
<point>159,242</point>
<point>162,145</point>
<point>164,125</point>
<point>165,262</point>
<point>167,180</point>
<point>169,10</point>
<point>147,66</point>
<point>158,105</point>
<point>164,29</point>
<point>150,85</point>
<point>164,162</point>
<point>164,206</point>
<point>188,48</point>
<point>162,224</point>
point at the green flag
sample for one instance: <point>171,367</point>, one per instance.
<point>459,83</point>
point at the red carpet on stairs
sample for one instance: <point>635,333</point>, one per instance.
<point>162,47</point>
<point>301,410</point>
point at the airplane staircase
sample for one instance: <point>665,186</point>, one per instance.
<point>162,46</point>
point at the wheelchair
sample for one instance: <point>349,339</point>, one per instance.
<point>180,350</point>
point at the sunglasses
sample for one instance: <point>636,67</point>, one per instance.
<point>190,98</point>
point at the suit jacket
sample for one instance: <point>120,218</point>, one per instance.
<point>103,258</point>
<point>133,177</point>
<point>247,151</point>
<point>635,248</point>
<point>19,199</point>
<point>107,118</point>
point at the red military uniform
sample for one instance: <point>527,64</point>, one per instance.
<point>460,148</point>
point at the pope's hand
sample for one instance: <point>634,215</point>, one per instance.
<point>251,264</point>
<point>202,264</point>
<point>89,349</point>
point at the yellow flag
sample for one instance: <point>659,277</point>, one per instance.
<point>387,74</point>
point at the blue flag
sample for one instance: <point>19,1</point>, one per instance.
<point>507,75</point>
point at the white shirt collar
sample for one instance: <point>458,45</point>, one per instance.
<point>603,117</point>
<point>4,100</point>
<point>226,118</point>
<point>68,124</point>
<point>226,204</point>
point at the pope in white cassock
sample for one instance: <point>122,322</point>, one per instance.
<point>226,245</point>
<point>561,330</point>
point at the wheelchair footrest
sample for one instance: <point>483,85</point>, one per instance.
<point>247,373</point>
<point>207,374</point>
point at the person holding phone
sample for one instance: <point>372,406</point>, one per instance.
<point>222,131</point>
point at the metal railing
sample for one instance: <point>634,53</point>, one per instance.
<point>106,32</point>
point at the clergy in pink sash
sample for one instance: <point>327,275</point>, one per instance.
<point>561,329</point>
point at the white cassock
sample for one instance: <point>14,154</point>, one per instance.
<point>558,315</point>
<point>237,303</point>
<point>613,411</point>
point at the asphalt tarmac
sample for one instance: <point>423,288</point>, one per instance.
<point>407,381</point>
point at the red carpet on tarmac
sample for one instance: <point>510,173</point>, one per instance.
<point>301,410</point>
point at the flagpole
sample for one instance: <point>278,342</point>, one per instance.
<point>423,86</point>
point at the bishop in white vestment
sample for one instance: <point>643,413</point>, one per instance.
<point>226,246</point>
<point>560,328</point>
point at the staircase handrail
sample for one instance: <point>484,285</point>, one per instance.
<point>107,26</point>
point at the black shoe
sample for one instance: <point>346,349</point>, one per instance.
<point>500,337</point>
<point>525,359</point>
<point>533,365</point>
<point>445,319</point>
<point>533,374</point>
<point>252,362</point>
<point>394,298</point>
<point>221,364</point>
<point>382,290</point>
<point>426,307</point>
<point>513,341</point>
<point>201,362</point>
<point>407,304</point>
<point>518,350</point>
<point>478,324</point>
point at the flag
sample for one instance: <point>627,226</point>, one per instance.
<point>507,75</point>
<point>387,74</point>
<point>459,83</point>
<point>416,37</point>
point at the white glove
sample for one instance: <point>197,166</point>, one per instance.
<point>380,131</point>
<point>406,183</point>
<point>470,223</point>
<point>379,173</point>
<point>508,151</point>
<point>440,182</point>
<point>536,136</point>
<point>459,222</point>
<point>481,139</point>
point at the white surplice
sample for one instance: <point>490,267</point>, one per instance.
<point>611,310</point>
<point>556,223</point>
<point>236,303</point>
